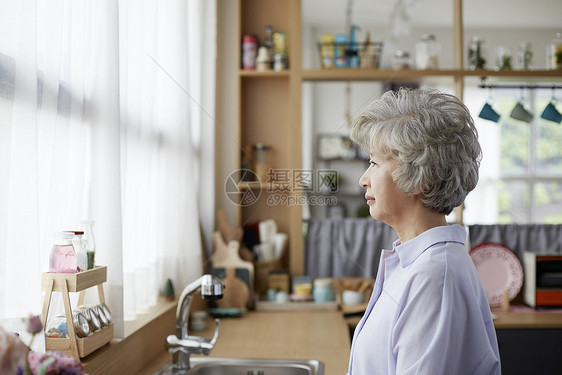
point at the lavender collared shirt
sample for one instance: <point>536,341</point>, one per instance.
<point>428,313</point>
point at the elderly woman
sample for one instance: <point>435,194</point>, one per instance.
<point>429,313</point>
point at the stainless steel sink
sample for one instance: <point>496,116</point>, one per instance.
<point>242,366</point>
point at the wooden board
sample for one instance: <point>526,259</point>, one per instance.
<point>230,233</point>
<point>235,293</point>
<point>241,273</point>
<point>226,255</point>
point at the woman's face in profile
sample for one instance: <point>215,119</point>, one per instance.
<point>386,202</point>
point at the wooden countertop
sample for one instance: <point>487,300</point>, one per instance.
<point>524,317</point>
<point>320,335</point>
<point>517,317</point>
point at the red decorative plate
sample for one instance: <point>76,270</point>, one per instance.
<point>499,269</point>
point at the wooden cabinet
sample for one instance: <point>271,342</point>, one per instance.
<point>269,112</point>
<point>269,104</point>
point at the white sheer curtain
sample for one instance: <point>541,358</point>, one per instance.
<point>97,121</point>
<point>164,91</point>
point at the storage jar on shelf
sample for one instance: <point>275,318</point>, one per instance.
<point>554,52</point>
<point>63,257</point>
<point>427,52</point>
<point>401,60</point>
<point>476,54</point>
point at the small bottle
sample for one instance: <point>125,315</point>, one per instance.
<point>263,61</point>
<point>554,53</point>
<point>327,50</point>
<point>352,50</point>
<point>340,41</point>
<point>81,256</point>
<point>268,41</point>
<point>249,51</point>
<point>280,48</point>
<point>63,256</point>
<point>89,242</point>
<point>278,62</point>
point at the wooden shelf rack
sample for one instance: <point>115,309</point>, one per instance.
<point>75,282</point>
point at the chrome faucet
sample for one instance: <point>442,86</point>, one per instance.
<point>181,345</point>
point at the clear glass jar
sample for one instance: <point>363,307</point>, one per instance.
<point>554,53</point>
<point>503,58</point>
<point>323,290</point>
<point>427,52</point>
<point>89,242</point>
<point>63,256</point>
<point>401,60</point>
<point>476,54</point>
<point>525,56</point>
<point>56,327</point>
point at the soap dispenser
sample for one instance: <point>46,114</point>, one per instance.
<point>352,50</point>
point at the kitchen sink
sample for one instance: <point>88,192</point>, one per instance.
<point>243,366</point>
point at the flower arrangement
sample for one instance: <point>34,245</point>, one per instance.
<point>18,358</point>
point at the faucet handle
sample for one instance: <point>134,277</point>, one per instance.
<point>192,344</point>
<point>206,344</point>
<point>216,334</point>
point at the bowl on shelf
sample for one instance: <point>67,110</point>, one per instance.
<point>352,297</point>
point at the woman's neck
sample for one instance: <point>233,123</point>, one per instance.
<point>417,222</point>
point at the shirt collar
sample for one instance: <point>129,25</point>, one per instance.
<point>409,251</point>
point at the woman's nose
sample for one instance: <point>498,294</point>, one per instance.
<point>364,181</point>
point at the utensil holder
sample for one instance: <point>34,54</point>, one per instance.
<point>75,282</point>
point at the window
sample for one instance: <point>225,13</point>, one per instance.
<point>521,170</point>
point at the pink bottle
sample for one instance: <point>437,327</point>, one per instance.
<point>63,257</point>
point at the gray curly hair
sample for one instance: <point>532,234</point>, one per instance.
<point>432,137</point>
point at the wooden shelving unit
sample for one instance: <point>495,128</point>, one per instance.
<point>76,282</point>
<point>347,74</point>
<point>269,104</point>
<point>254,74</point>
<point>267,114</point>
